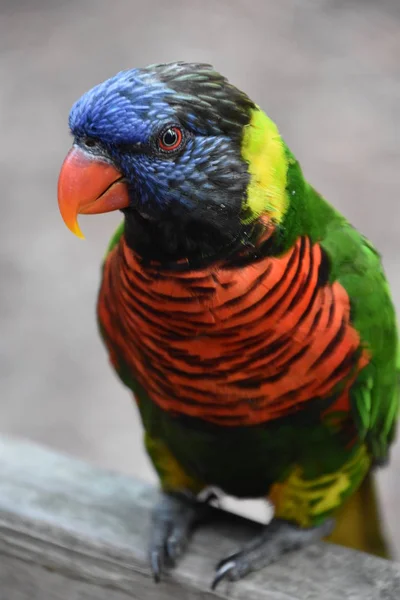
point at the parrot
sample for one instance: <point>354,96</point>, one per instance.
<point>252,322</point>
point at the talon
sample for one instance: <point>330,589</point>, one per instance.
<point>173,521</point>
<point>156,565</point>
<point>222,572</point>
<point>278,538</point>
<point>229,558</point>
<point>174,549</point>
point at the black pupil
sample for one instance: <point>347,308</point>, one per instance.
<point>170,137</point>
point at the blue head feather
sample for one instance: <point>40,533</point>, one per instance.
<point>124,116</point>
<point>123,109</point>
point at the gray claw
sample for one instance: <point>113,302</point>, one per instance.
<point>174,549</point>
<point>156,563</point>
<point>229,558</point>
<point>173,521</point>
<point>222,572</point>
<point>278,538</point>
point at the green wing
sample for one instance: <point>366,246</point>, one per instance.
<point>355,263</point>
<point>375,395</point>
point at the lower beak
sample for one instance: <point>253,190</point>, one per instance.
<point>89,185</point>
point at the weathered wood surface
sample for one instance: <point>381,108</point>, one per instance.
<point>71,531</point>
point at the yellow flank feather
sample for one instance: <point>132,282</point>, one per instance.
<point>173,478</point>
<point>358,522</point>
<point>263,149</point>
<point>307,501</point>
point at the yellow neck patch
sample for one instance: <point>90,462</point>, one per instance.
<point>263,149</point>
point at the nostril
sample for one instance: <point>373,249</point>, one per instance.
<point>89,142</point>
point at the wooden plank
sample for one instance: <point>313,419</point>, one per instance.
<point>21,580</point>
<point>69,530</point>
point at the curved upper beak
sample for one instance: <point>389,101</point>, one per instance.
<point>88,185</point>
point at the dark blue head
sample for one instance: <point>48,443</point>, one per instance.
<point>174,133</point>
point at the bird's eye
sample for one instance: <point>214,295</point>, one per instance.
<point>171,139</point>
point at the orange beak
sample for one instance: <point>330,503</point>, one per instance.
<point>88,185</point>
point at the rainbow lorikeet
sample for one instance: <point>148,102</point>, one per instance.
<point>253,323</point>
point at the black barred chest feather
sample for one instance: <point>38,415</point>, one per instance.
<point>231,346</point>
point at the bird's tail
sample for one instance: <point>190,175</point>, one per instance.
<point>358,523</point>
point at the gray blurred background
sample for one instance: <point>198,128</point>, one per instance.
<point>328,71</point>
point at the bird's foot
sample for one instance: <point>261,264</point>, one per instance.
<point>278,538</point>
<point>173,520</point>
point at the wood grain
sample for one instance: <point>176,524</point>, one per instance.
<point>69,530</point>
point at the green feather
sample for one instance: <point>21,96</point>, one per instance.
<point>115,238</point>
<point>236,457</point>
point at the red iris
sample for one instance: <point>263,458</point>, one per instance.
<point>170,139</point>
